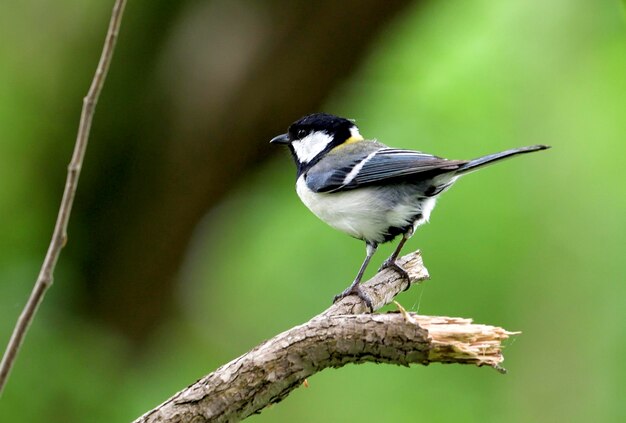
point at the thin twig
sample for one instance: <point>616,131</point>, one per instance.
<point>59,236</point>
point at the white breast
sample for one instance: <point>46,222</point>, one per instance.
<point>363,213</point>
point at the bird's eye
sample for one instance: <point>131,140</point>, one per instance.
<point>301,133</point>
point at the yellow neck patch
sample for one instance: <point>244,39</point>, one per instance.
<point>351,140</point>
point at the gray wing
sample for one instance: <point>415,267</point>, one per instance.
<point>373,167</point>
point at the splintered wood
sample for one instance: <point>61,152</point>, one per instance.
<point>457,339</point>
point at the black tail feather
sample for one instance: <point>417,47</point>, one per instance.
<point>492,158</point>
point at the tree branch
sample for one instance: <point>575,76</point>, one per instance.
<point>59,236</point>
<point>340,335</point>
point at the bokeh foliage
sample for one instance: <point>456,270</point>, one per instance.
<point>534,244</point>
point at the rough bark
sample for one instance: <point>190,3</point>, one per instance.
<point>342,334</point>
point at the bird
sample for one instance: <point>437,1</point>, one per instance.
<point>369,190</point>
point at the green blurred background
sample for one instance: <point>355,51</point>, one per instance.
<point>189,246</point>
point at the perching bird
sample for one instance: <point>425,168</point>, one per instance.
<point>369,190</point>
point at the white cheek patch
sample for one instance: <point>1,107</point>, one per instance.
<point>310,146</point>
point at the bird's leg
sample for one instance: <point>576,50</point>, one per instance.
<point>391,262</point>
<point>354,288</point>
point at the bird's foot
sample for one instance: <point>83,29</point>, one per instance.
<point>392,264</point>
<point>355,290</point>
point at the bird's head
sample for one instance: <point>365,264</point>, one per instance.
<point>312,136</point>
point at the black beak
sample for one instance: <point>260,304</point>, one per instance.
<point>281,139</point>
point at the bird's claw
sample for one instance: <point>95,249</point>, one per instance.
<point>392,264</point>
<point>356,290</point>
